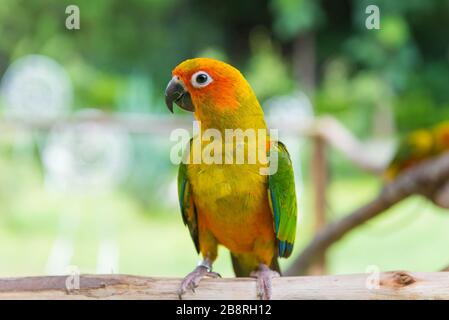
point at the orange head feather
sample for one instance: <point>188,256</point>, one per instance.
<point>217,91</point>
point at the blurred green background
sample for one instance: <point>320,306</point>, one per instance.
<point>380,83</point>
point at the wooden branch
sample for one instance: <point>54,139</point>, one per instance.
<point>341,139</point>
<point>441,196</point>
<point>337,136</point>
<point>425,179</point>
<point>388,285</point>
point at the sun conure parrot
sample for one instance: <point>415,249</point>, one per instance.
<point>418,146</point>
<point>251,214</point>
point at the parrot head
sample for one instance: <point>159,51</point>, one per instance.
<point>209,88</point>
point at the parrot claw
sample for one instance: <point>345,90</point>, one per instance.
<point>264,276</point>
<point>192,280</point>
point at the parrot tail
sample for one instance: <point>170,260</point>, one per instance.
<point>244,264</point>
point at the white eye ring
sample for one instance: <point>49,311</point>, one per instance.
<point>201,79</point>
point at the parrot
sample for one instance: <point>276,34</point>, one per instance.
<point>233,205</point>
<point>418,146</point>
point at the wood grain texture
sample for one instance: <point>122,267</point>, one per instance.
<point>391,285</point>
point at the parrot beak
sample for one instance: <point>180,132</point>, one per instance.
<point>177,93</point>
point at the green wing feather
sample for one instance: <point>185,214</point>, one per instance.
<point>282,196</point>
<point>188,210</point>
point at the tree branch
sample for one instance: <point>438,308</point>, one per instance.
<point>340,138</point>
<point>388,285</point>
<point>425,179</point>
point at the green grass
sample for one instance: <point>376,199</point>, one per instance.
<point>412,235</point>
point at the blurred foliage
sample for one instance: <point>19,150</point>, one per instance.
<point>267,71</point>
<point>121,58</point>
<point>357,69</point>
<point>293,17</point>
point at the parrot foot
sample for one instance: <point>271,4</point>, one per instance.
<point>264,276</point>
<point>192,280</point>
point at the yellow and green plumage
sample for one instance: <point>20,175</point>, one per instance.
<point>234,205</point>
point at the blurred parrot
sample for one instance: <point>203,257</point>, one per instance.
<point>417,147</point>
<point>233,205</point>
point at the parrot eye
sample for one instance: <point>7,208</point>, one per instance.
<point>201,79</point>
